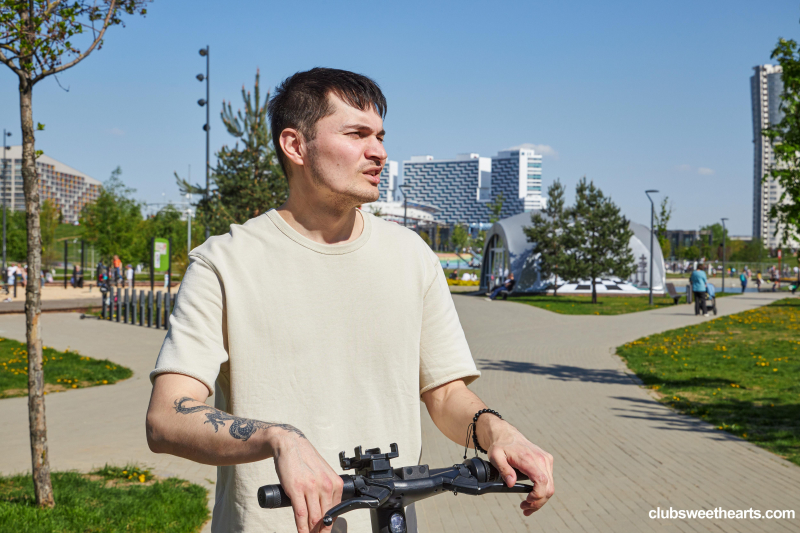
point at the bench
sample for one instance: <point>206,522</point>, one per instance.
<point>673,293</point>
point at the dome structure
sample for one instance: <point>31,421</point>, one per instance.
<point>507,250</point>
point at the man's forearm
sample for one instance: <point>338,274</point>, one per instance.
<point>452,407</point>
<point>202,433</point>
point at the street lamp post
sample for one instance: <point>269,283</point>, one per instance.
<point>723,254</point>
<point>5,192</point>
<point>205,52</point>
<point>405,203</point>
<point>652,231</point>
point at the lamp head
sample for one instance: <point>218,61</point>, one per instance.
<point>200,77</point>
<point>204,52</point>
<point>651,191</point>
<point>201,102</point>
<point>8,134</point>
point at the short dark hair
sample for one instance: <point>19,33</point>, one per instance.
<point>301,100</point>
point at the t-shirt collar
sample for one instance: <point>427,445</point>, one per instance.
<point>329,249</point>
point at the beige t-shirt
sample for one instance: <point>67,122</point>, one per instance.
<point>336,340</point>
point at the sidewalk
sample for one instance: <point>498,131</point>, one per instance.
<point>618,453</point>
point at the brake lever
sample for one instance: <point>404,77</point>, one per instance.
<point>349,505</point>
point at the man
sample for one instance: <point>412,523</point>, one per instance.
<point>507,286</point>
<point>699,282</point>
<point>301,372</point>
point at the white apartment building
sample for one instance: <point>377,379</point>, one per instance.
<point>66,187</point>
<point>523,167</point>
<point>766,87</point>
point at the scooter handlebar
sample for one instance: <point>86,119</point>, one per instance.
<point>274,497</point>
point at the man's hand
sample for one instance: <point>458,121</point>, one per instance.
<point>452,407</point>
<point>308,480</point>
<point>509,449</point>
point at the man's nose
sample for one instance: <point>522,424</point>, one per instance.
<point>375,150</point>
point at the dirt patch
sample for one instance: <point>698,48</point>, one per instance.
<point>48,388</point>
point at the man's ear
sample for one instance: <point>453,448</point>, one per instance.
<point>293,146</point>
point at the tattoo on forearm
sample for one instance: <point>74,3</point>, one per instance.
<point>241,428</point>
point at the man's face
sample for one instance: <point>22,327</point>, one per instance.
<point>346,156</point>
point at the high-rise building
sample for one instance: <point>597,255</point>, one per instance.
<point>517,173</point>
<point>766,87</point>
<point>462,188</point>
<point>388,185</point>
<point>66,187</point>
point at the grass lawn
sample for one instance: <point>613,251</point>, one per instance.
<point>62,370</point>
<point>68,231</point>
<point>107,500</point>
<point>608,305</point>
<point>740,372</point>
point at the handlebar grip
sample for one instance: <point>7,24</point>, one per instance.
<point>273,497</point>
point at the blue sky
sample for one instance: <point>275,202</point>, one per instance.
<point>634,95</point>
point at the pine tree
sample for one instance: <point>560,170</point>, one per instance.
<point>247,180</point>
<point>547,232</point>
<point>598,238</point>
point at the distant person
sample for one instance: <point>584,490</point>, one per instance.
<point>129,276</point>
<point>49,276</point>
<point>116,264</point>
<point>759,279</point>
<point>797,280</point>
<point>77,277</point>
<point>100,270</point>
<point>166,280</point>
<point>743,280</point>
<point>454,274</point>
<point>699,282</point>
<point>774,278</point>
<point>507,286</point>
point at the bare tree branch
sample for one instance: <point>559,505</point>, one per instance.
<point>85,54</point>
<point>8,62</point>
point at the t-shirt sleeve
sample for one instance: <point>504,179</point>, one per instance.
<point>444,352</point>
<point>196,343</point>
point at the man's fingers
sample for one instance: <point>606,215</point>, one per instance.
<point>314,512</point>
<point>300,513</point>
<point>325,499</point>
<point>499,460</point>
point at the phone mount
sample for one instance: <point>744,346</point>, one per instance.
<point>372,463</point>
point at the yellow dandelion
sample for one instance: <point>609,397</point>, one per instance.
<point>141,476</point>
<point>74,387</point>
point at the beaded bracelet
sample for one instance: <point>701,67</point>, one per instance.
<point>473,429</point>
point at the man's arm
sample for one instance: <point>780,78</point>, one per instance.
<point>452,407</point>
<point>180,423</point>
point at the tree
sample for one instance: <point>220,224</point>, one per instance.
<point>598,238</point>
<point>661,223</point>
<point>248,181</point>
<point>496,207</point>
<point>48,221</point>
<point>459,238</point>
<point>785,140</point>
<point>36,42</point>
<point>548,233</point>
<point>112,222</point>
<point>753,251</point>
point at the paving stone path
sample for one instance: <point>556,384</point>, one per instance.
<point>619,454</point>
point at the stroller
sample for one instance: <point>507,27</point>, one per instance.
<point>711,300</point>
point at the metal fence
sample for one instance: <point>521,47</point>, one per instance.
<point>140,308</point>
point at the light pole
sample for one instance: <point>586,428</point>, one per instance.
<point>652,231</point>
<point>6,134</point>
<point>205,52</point>
<point>405,202</point>
<point>723,254</point>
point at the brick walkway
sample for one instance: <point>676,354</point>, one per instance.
<point>619,454</point>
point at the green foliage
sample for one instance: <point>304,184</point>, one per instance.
<point>16,233</point>
<point>663,217</point>
<point>128,472</point>
<point>496,207</point>
<point>40,37</point>
<point>49,217</point>
<point>459,238</point>
<point>88,504</point>
<point>248,180</point>
<point>62,370</point>
<point>582,305</point>
<point>753,251</point>
<point>598,238</point>
<point>479,242</point>
<point>111,223</point>
<point>548,233</point>
<point>425,237</point>
<point>785,140</point>
<point>739,373</point>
